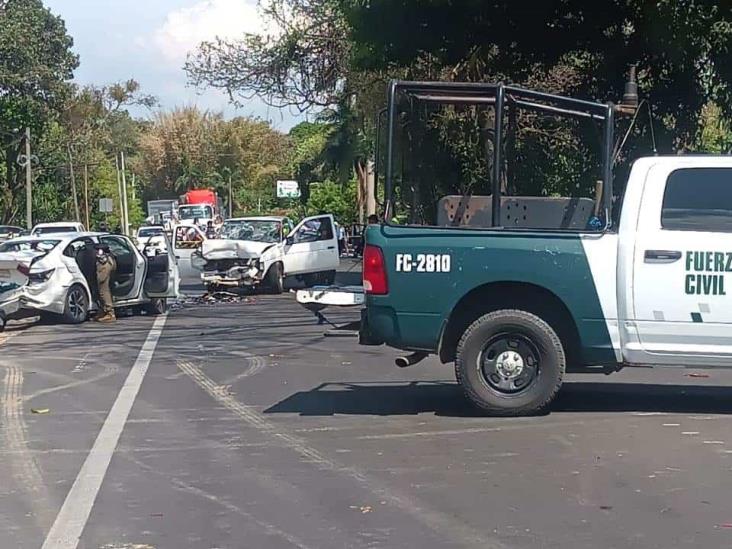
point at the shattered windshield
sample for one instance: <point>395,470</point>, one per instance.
<point>257,231</point>
<point>195,212</point>
<point>41,245</point>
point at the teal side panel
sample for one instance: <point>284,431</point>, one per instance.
<point>412,315</point>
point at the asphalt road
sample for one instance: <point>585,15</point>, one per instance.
<point>252,430</point>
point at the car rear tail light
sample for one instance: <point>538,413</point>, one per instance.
<point>40,277</point>
<point>23,269</point>
<point>374,271</point>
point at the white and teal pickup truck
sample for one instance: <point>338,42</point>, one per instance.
<point>517,308</point>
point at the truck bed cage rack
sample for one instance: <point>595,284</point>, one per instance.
<point>500,96</point>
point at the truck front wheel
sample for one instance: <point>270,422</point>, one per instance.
<point>510,363</point>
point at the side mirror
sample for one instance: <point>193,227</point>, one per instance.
<point>290,240</point>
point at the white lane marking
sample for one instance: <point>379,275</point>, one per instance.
<point>74,513</point>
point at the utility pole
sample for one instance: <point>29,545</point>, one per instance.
<point>28,181</point>
<point>231,199</point>
<point>73,184</point>
<point>126,219</point>
<point>86,196</point>
<point>119,191</point>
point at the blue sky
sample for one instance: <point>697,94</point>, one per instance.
<point>148,40</point>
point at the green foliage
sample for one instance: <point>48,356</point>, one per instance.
<point>36,65</point>
<point>715,133</point>
<point>330,197</point>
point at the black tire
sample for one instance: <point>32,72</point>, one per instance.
<point>157,306</point>
<point>76,305</point>
<point>510,363</point>
<point>275,279</point>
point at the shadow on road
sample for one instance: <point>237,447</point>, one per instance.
<point>446,399</point>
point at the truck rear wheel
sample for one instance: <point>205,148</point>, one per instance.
<point>510,363</point>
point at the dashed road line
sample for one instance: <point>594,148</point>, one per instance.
<point>451,527</point>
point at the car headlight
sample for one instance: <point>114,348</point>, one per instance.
<point>40,277</point>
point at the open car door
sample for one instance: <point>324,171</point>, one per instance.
<point>129,275</point>
<point>312,246</point>
<point>163,277</point>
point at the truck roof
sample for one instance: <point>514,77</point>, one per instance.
<point>259,218</point>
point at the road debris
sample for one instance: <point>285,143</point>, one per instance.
<point>213,298</point>
<point>695,374</point>
<point>40,410</point>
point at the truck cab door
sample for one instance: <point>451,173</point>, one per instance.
<point>186,240</point>
<point>163,277</point>
<point>682,266</point>
<point>130,273</point>
<point>312,246</point>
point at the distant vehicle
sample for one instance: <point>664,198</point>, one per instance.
<point>47,271</point>
<point>150,238</point>
<point>262,251</point>
<point>159,210</point>
<point>11,231</point>
<point>57,228</point>
<point>199,204</point>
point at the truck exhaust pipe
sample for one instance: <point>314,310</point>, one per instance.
<point>410,360</point>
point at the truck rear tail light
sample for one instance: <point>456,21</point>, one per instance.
<point>374,271</point>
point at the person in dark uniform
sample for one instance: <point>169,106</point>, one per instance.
<point>106,266</point>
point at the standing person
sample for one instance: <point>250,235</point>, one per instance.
<point>373,219</point>
<point>210,229</point>
<point>106,266</point>
<point>341,236</point>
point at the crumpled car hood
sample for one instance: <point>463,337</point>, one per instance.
<point>233,249</point>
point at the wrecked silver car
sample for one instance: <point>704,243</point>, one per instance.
<point>263,251</point>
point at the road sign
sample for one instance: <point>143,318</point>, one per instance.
<point>106,205</point>
<point>288,189</point>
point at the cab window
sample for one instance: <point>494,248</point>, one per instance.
<point>698,199</point>
<point>187,237</point>
<point>315,230</point>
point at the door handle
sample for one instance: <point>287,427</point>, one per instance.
<point>661,256</point>
<point>331,247</point>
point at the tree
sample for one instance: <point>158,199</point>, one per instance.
<point>35,69</point>
<point>336,199</point>
<point>305,64</point>
<point>681,48</point>
<point>188,148</point>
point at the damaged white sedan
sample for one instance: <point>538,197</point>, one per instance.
<point>56,275</point>
<point>263,251</point>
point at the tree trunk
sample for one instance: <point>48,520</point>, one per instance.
<point>361,184</point>
<point>77,217</point>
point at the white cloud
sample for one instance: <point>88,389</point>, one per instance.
<point>187,27</point>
